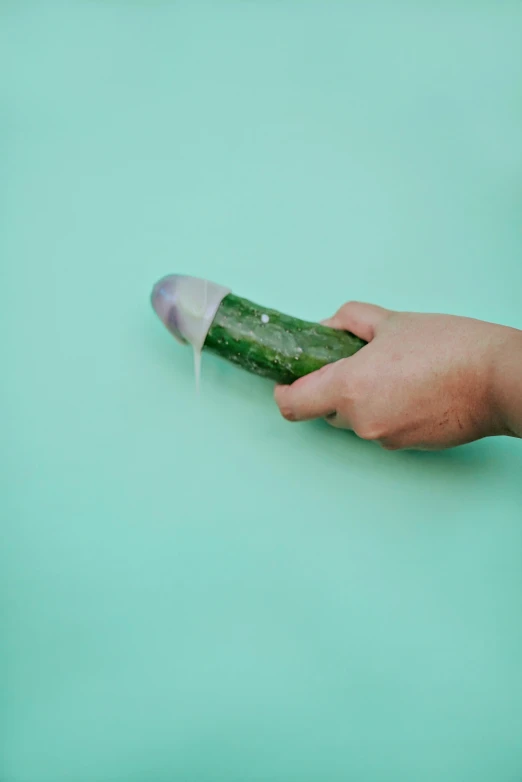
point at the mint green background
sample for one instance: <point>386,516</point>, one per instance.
<point>193,589</point>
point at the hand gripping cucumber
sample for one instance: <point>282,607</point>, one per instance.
<point>261,340</point>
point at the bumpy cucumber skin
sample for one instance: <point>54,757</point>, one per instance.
<point>281,348</point>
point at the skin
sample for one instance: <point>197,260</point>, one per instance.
<point>424,382</point>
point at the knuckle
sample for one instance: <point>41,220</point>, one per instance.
<point>355,393</point>
<point>347,307</point>
<point>359,385</point>
<point>351,395</point>
<point>367,433</point>
<point>390,445</point>
<point>371,430</point>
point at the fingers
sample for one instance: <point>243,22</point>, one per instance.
<point>317,395</point>
<point>312,396</point>
<point>361,319</point>
<point>338,421</point>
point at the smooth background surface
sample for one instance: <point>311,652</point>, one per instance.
<point>193,589</point>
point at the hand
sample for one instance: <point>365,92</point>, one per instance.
<point>423,381</point>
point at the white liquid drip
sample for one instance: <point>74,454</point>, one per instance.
<point>195,303</point>
<point>197,368</point>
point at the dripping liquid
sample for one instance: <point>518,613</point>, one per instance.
<point>197,368</point>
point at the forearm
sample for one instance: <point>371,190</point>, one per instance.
<point>508,383</point>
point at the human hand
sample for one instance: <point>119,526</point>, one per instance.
<point>423,381</point>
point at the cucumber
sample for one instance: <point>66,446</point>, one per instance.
<point>271,344</point>
<point>261,340</point>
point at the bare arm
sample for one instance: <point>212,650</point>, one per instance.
<point>508,383</point>
<point>423,381</point>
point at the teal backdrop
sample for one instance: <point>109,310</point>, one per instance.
<point>193,589</point>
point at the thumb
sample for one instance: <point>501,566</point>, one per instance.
<point>313,396</point>
<point>361,319</point>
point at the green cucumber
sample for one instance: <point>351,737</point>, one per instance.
<point>273,345</point>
